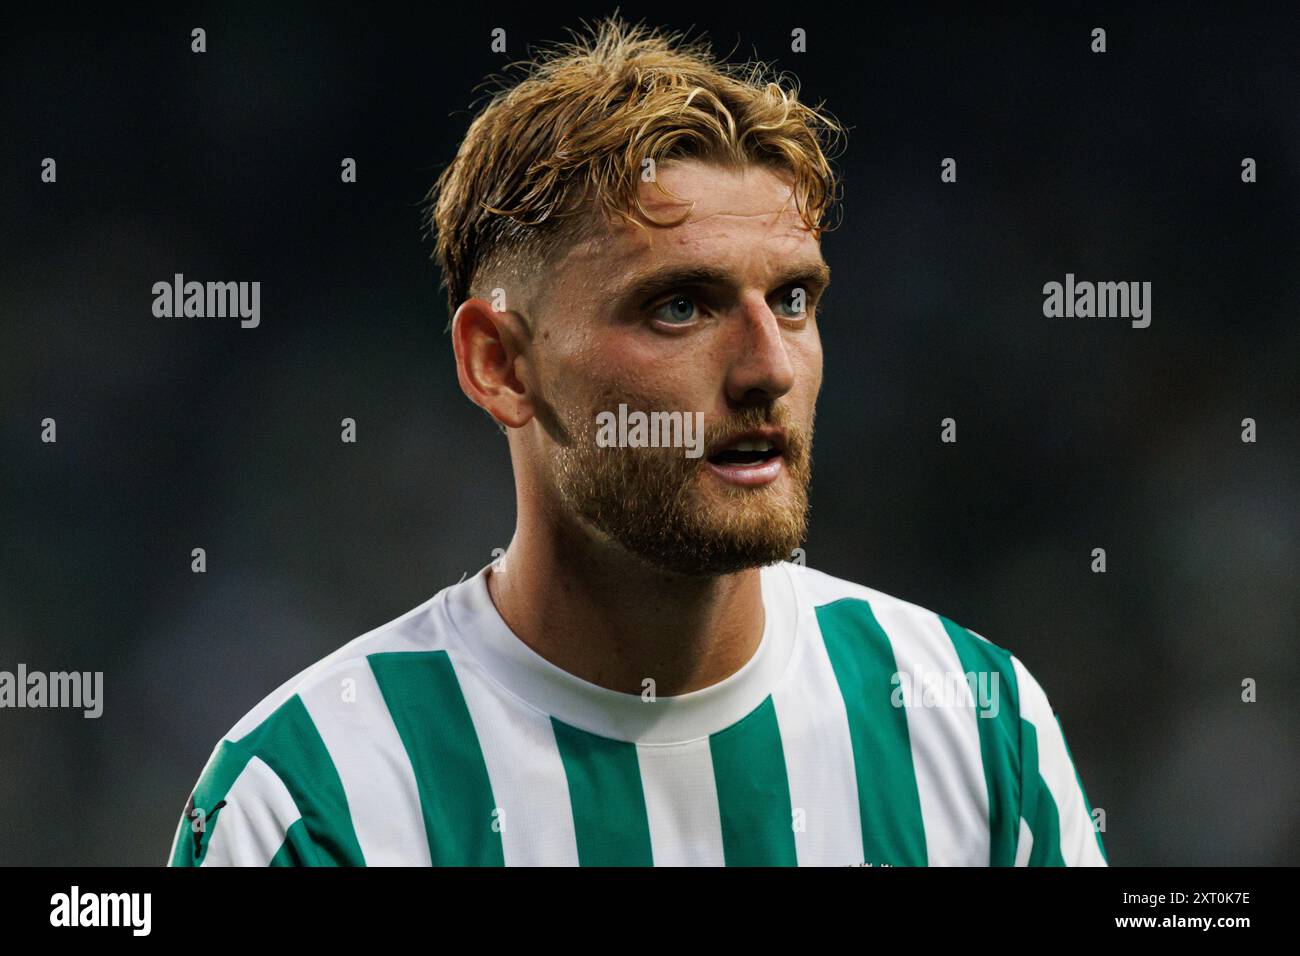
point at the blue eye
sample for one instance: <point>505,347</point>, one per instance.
<point>803,294</point>
<point>670,313</point>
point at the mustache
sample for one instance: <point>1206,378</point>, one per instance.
<point>720,432</point>
<point>581,427</point>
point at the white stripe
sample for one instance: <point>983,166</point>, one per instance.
<point>681,802</point>
<point>1078,838</point>
<point>250,829</point>
<point>372,764</point>
<point>818,750</point>
<point>525,769</point>
<point>1025,845</point>
<point>945,739</point>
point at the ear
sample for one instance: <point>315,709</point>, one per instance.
<point>492,361</point>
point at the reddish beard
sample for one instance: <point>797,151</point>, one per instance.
<point>663,507</point>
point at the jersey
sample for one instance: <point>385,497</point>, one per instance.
<point>864,730</point>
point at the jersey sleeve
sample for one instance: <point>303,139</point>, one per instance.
<point>240,814</point>
<point>1056,826</point>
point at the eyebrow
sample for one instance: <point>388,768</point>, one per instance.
<point>815,276</point>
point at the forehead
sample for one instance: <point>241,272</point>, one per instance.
<point>741,217</point>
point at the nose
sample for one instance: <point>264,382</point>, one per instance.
<point>761,370</point>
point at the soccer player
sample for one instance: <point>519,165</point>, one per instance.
<point>630,240</point>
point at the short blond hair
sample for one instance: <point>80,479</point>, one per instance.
<point>579,125</point>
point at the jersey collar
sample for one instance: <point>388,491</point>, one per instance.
<point>481,632</point>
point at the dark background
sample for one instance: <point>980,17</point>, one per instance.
<point>1073,433</point>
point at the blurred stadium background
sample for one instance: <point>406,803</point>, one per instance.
<point>1073,433</point>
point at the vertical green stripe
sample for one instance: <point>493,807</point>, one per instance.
<point>428,708</point>
<point>998,732</point>
<point>1079,780</point>
<point>1038,809</point>
<point>290,745</point>
<point>213,786</point>
<point>888,800</point>
<point>609,814</point>
<point>753,791</point>
<point>296,849</point>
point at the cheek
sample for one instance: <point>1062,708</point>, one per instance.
<point>812,360</point>
<point>595,379</point>
<point>628,367</point>
<point>571,364</point>
<point>805,354</point>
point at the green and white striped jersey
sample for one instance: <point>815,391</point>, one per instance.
<point>864,731</point>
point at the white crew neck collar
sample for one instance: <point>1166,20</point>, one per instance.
<point>481,631</point>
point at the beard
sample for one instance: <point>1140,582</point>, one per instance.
<point>668,509</point>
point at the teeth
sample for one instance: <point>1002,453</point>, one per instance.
<point>751,445</point>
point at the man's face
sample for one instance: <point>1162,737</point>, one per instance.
<point>734,341</point>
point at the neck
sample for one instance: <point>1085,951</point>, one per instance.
<point>604,615</point>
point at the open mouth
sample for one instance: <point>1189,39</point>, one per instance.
<point>750,452</point>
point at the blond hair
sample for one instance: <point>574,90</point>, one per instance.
<point>578,127</point>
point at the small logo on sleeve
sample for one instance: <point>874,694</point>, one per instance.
<point>198,818</point>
